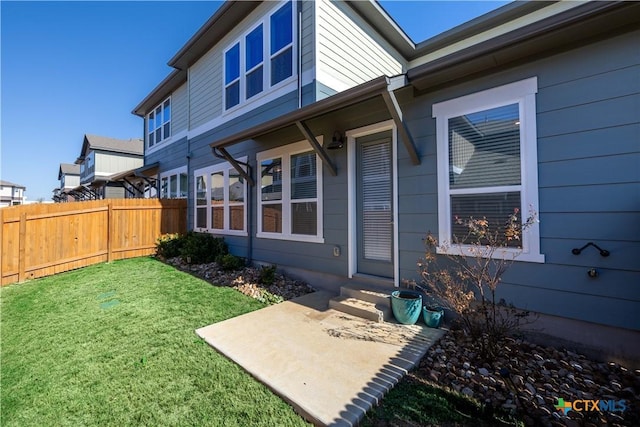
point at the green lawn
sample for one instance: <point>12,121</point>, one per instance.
<point>114,344</point>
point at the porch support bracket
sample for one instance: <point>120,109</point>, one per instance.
<point>222,152</point>
<point>309,136</point>
<point>396,114</point>
<point>133,193</point>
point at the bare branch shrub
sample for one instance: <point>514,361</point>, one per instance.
<point>467,284</point>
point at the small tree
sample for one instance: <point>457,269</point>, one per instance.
<point>467,284</point>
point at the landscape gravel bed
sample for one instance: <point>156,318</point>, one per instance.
<point>247,281</point>
<point>529,379</point>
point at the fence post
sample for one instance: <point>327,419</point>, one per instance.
<point>22,237</point>
<point>110,232</point>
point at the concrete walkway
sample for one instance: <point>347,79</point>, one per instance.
<point>330,366</point>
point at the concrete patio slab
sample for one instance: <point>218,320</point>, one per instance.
<point>330,366</point>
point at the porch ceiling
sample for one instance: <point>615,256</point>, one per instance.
<point>339,110</point>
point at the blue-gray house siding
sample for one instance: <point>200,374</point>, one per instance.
<point>588,125</point>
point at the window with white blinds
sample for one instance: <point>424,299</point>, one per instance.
<point>377,215</point>
<point>487,163</point>
<point>290,193</point>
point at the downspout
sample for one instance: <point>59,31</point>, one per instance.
<point>189,174</point>
<point>299,31</point>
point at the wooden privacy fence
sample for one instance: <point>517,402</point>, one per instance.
<point>43,239</point>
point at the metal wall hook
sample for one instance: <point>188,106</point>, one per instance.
<point>603,252</point>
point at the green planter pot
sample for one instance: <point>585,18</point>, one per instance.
<point>406,306</point>
<point>433,316</point>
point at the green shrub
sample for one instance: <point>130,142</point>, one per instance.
<point>268,274</point>
<point>229,262</point>
<point>201,248</point>
<point>169,245</point>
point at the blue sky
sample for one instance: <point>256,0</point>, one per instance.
<point>70,68</point>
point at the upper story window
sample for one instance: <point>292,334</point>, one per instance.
<point>159,123</point>
<point>487,163</point>
<point>246,72</point>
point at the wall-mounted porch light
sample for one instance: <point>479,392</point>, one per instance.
<point>336,142</point>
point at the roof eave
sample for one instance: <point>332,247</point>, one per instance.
<point>218,26</point>
<point>492,19</point>
<point>384,23</point>
<point>170,83</point>
<point>551,34</point>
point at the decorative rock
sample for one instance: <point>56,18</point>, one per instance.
<point>467,392</point>
<point>483,371</point>
<point>530,388</point>
<point>466,365</point>
<point>518,380</point>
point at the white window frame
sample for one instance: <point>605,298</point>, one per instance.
<point>267,88</point>
<point>224,167</point>
<point>285,153</point>
<point>522,93</point>
<point>146,130</point>
<point>167,175</point>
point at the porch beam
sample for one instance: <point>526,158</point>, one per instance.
<point>233,162</point>
<point>309,136</point>
<point>396,114</point>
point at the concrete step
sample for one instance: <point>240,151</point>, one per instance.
<point>379,297</point>
<point>359,308</point>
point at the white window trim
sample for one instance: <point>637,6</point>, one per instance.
<point>285,153</point>
<point>267,88</point>
<point>524,94</point>
<point>168,174</point>
<point>146,127</point>
<point>207,171</point>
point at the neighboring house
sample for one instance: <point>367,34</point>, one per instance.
<point>104,165</point>
<point>69,177</point>
<point>11,194</point>
<point>533,106</point>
